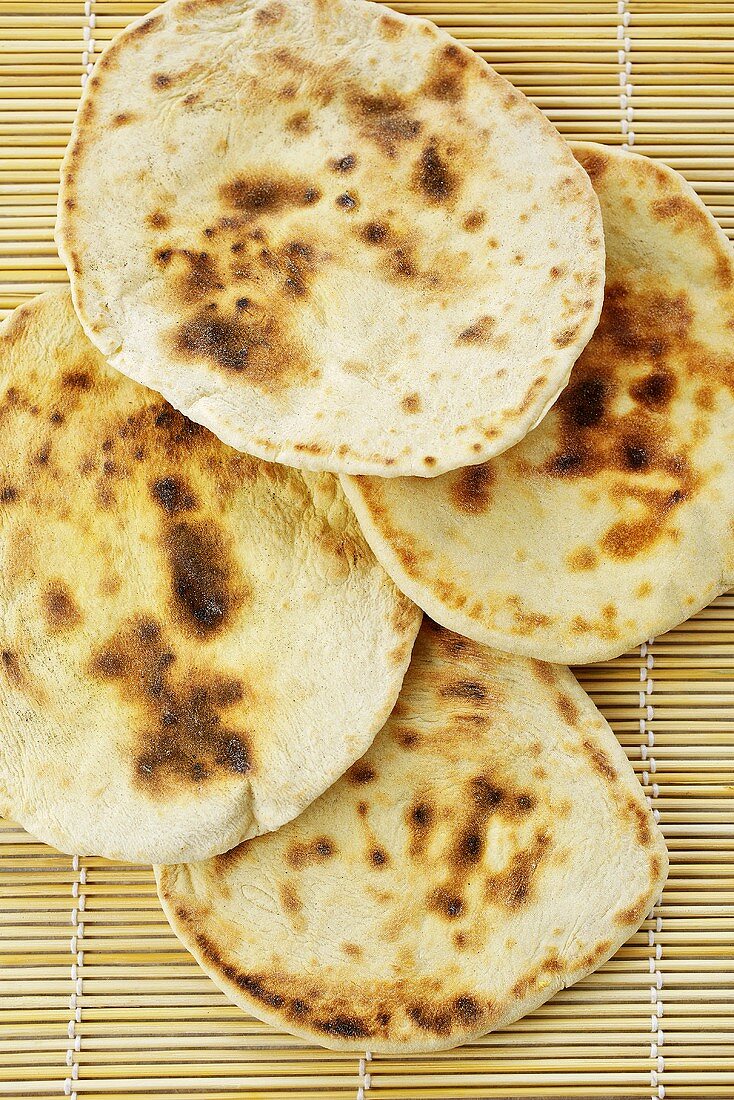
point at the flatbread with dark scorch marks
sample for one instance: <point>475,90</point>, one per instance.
<point>193,643</point>
<point>328,232</point>
<point>492,847</point>
<point>613,520</point>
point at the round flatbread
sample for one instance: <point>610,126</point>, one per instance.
<point>328,232</point>
<point>614,520</point>
<point>193,643</point>
<point>492,847</point>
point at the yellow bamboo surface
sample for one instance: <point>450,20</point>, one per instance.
<point>96,997</point>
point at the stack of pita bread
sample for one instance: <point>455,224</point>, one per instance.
<point>354,334</point>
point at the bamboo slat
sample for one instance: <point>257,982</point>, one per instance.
<point>96,996</point>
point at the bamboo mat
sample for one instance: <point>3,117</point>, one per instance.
<point>96,997</point>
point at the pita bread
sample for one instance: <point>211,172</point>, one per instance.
<point>614,520</point>
<point>328,232</point>
<point>492,847</point>
<point>193,643</point>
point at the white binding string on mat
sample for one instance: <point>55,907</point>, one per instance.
<point>365,1079</point>
<point>647,753</point>
<point>76,946</point>
<point>88,40</point>
<point>78,896</point>
<point>624,50</point>
<point>647,657</point>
